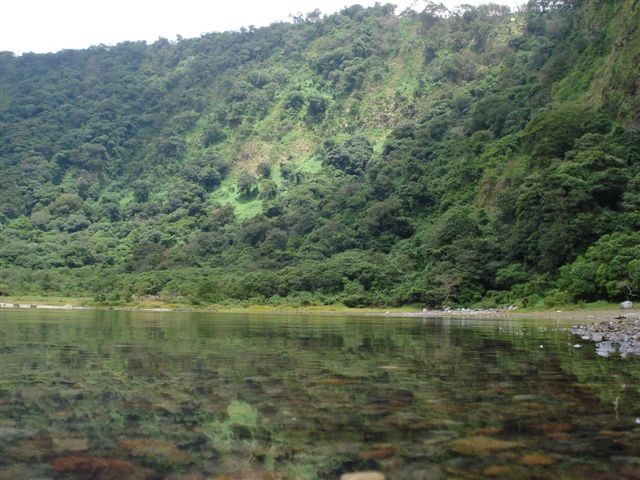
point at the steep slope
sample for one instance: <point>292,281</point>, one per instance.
<point>366,158</point>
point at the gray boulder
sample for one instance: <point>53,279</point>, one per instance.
<point>626,304</point>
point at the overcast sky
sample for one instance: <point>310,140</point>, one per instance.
<point>51,25</point>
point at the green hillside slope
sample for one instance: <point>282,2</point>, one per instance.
<point>480,156</point>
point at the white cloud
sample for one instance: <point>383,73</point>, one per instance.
<point>52,25</point>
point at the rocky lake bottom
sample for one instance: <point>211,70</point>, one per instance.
<point>108,395</point>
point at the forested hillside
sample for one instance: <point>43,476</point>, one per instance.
<point>371,157</point>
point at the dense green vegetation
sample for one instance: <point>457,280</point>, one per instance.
<point>472,157</point>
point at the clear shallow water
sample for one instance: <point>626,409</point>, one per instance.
<point>105,395</point>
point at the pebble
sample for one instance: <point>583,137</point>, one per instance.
<point>536,459</point>
<point>12,434</point>
<point>368,475</point>
<point>481,445</point>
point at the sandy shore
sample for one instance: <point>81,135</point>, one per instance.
<point>581,315</point>
<point>78,307</point>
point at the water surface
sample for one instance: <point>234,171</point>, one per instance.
<point>105,395</point>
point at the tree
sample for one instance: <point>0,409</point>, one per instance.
<point>351,156</point>
<point>294,101</point>
<point>316,107</point>
<point>213,134</point>
<point>268,189</point>
<point>609,269</point>
<point>264,169</point>
<point>65,204</point>
<point>551,134</point>
<point>246,183</point>
<point>431,14</point>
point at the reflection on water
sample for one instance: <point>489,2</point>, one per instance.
<point>105,395</point>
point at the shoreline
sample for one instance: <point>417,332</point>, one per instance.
<point>583,315</point>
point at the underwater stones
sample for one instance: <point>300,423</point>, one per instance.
<point>375,411</point>
<point>440,423</point>
<point>184,476</point>
<point>11,434</point>
<point>378,452</point>
<point>633,461</point>
<point>148,401</point>
<point>335,381</point>
<point>554,427</point>
<point>629,467</point>
<point>630,471</point>
<point>523,398</point>
<point>256,473</point>
<point>313,429</point>
<point>536,460</point>
<point>401,398</point>
<point>6,398</point>
<point>154,452</point>
<point>391,368</point>
<point>70,394</point>
<point>415,452</point>
<point>481,445</point>
<point>486,431</point>
<point>71,444</point>
<point>35,448</point>
<point>366,475</point>
<point>407,421</point>
<point>589,472</point>
<point>31,393</point>
<point>436,438</point>
<point>560,437</point>
<point>99,468</point>
<point>420,472</point>
<point>30,472</point>
<point>498,471</point>
<point>534,406</point>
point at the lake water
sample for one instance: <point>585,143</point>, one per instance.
<point>107,395</point>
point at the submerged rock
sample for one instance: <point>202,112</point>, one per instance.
<point>184,476</point>
<point>523,398</point>
<point>554,427</point>
<point>378,453</point>
<point>536,460</point>
<point>251,473</point>
<point>498,471</point>
<point>487,431</point>
<point>35,449</point>
<point>31,472</point>
<point>481,445</point>
<point>98,468</point>
<point>12,434</point>
<point>369,475</point>
<point>79,444</point>
<point>420,472</point>
<point>154,451</point>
